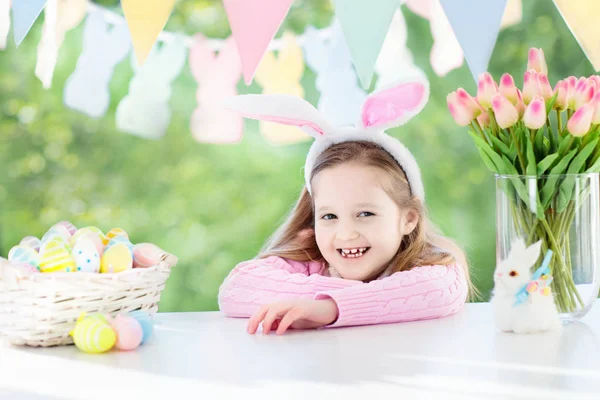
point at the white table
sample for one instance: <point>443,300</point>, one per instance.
<point>206,355</point>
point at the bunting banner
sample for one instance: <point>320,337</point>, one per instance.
<point>253,25</point>
<point>24,13</point>
<point>582,19</point>
<point>146,19</point>
<point>476,25</point>
<point>365,24</point>
<point>4,22</point>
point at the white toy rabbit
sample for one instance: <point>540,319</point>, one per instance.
<point>524,303</point>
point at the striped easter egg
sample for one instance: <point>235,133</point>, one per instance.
<point>120,239</point>
<point>117,259</point>
<point>67,226</point>
<point>31,241</point>
<point>93,335</point>
<point>55,234</point>
<point>24,254</point>
<point>114,232</point>
<point>85,231</point>
<point>54,257</point>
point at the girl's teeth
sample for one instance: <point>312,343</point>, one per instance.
<point>353,253</point>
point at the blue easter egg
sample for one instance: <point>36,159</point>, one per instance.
<point>143,318</point>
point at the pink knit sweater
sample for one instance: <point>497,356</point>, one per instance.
<point>422,293</point>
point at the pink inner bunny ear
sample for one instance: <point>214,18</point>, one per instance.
<point>287,121</point>
<point>394,106</point>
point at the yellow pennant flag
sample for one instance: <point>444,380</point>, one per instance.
<point>146,19</point>
<point>582,19</point>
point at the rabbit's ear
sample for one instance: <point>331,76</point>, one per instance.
<point>395,104</point>
<point>532,254</point>
<point>281,108</point>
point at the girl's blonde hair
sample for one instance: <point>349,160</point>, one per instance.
<point>295,239</point>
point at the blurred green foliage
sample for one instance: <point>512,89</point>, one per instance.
<point>214,205</point>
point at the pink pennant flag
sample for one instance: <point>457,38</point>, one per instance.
<point>254,23</point>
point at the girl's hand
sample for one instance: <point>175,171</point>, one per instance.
<point>297,314</point>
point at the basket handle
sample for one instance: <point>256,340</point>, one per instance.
<point>168,258</point>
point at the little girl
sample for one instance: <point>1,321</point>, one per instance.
<point>357,248</point>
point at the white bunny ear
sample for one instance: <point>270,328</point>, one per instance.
<point>532,253</point>
<point>395,104</point>
<point>283,109</point>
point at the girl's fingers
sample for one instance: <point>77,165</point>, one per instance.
<point>256,318</point>
<point>273,314</point>
<point>288,319</point>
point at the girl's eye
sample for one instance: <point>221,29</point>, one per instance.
<point>328,216</point>
<point>513,273</point>
<point>365,214</point>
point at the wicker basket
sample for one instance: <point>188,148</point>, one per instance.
<point>41,309</point>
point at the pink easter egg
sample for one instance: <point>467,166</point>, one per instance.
<point>129,332</point>
<point>66,226</point>
<point>31,241</point>
<point>146,255</point>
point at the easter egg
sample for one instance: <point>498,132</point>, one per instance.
<point>93,335</point>
<point>66,226</point>
<point>25,268</point>
<point>129,332</point>
<point>146,255</point>
<point>31,241</point>
<point>114,232</point>
<point>117,259</point>
<point>54,234</point>
<point>24,254</point>
<point>145,321</point>
<point>54,257</point>
<point>84,231</point>
<point>85,255</point>
<point>120,239</point>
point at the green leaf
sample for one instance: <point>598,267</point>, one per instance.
<point>531,163</point>
<point>516,180</point>
<point>539,143</point>
<point>595,168</point>
<point>487,161</point>
<point>551,181</point>
<point>576,167</point>
<point>546,163</point>
<point>495,158</point>
<point>550,102</point>
<point>500,144</point>
<point>565,144</point>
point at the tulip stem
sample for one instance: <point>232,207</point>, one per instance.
<point>559,122</point>
<point>519,154</point>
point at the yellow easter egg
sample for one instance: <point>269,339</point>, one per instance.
<point>114,232</point>
<point>116,259</point>
<point>93,335</point>
<point>83,231</point>
<point>54,257</point>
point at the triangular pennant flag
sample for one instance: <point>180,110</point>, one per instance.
<point>25,12</point>
<point>582,19</point>
<point>146,19</point>
<point>476,25</point>
<point>254,23</point>
<point>365,24</point>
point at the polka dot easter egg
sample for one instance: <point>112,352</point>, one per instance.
<point>114,232</point>
<point>85,255</point>
<point>66,226</point>
<point>129,332</point>
<point>116,259</point>
<point>85,231</point>
<point>54,257</point>
<point>93,335</point>
<point>120,239</point>
<point>31,241</point>
<point>24,254</point>
<point>145,321</point>
<point>146,255</point>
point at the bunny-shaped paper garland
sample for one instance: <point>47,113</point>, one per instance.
<point>282,75</point>
<point>523,304</point>
<point>341,96</point>
<point>60,16</point>
<point>145,110</point>
<point>86,89</point>
<point>217,77</point>
<point>385,108</point>
<point>4,22</point>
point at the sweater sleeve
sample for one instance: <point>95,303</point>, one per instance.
<point>254,283</point>
<point>421,293</point>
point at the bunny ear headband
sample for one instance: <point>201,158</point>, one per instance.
<point>387,107</point>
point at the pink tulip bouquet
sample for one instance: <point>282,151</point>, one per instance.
<point>540,139</point>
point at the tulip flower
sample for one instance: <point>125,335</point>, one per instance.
<point>459,111</point>
<point>484,119</point>
<point>535,114</point>
<point>562,87</point>
<point>580,122</point>
<point>545,87</point>
<point>506,114</point>
<point>531,86</point>
<point>520,106</point>
<point>536,61</point>
<point>508,88</point>
<point>468,101</point>
<point>486,89</point>
<point>596,104</point>
<point>584,92</point>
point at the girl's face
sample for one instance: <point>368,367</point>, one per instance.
<point>358,226</point>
